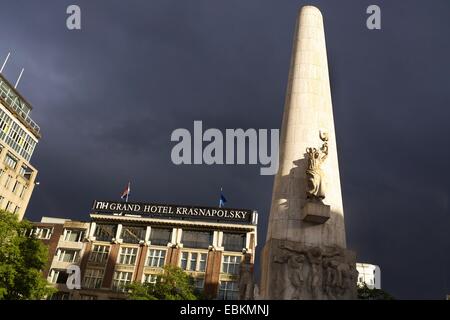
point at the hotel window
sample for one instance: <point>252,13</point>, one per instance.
<point>121,280</point>
<point>9,206</point>
<point>93,278</point>
<point>233,241</point>
<point>1,170</point>
<point>99,254</point>
<point>16,209</point>
<point>1,200</point>
<point>202,262</point>
<point>16,187</point>
<point>65,255</point>
<point>156,258</point>
<point>228,290</point>
<point>127,255</point>
<point>231,264</point>
<point>105,232</point>
<point>8,181</point>
<point>10,161</point>
<point>43,233</point>
<point>73,235</point>
<point>199,283</point>
<point>193,261</point>
<point>160,237</point>
<point>60,296</point>
<point>132,234</point>
<point>150,278</point>
<point>196,239</point>
<point>58,276</point>
<point>26,172</point>
<point>22,170</point>
<point>22,192</point>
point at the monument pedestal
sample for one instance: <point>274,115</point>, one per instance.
<point>294,271</point>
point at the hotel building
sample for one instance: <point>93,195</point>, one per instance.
<point>131,242</point>
<point>19,135</point>
<point>369,274</point>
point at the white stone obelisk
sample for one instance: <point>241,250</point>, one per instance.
<point>305,254</point>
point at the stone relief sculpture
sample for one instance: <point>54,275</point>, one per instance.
<point>256,295</point>
<point>315,277</point>
<point>246,283</point>
<point>295,263</point>
<point>315,187</point>
<point>316,273</point>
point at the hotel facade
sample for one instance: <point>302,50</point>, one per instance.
<point>369,274</point>
<point>131,242</point>
<point>19,135</point>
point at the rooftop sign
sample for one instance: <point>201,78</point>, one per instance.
<point>170,211</point>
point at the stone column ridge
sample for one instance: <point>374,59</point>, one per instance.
<point>85,259</point>
<point>212,274</point>
<point>173,255</point>
<point>140,263</point>
<point>110,266</point>
<point>52,244</point>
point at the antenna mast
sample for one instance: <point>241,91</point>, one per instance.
<point>4,63</point>
<point>18,80</point>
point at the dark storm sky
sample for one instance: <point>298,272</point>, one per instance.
<point>108,97</point>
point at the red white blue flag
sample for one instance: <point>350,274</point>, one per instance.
<point>126,192</point>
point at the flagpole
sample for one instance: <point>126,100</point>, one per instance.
<point>128,192</point>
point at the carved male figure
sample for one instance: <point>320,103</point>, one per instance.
<point>295,265</point>
<point>315,277</point>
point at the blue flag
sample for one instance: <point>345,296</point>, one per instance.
<point>223,200</point>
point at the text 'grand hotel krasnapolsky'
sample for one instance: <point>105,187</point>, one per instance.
<point>174,211</point>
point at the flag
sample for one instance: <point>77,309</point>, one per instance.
<point>222,200</point>
<point>126,192</point>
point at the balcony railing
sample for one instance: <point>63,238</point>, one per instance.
<point>16,103</point>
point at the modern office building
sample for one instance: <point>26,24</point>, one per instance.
<point>369,274</point>
<point>131,242</point>
<point>19,135</point>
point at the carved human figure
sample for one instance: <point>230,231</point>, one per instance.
<point>246,284</point>
<point>315,187</point>
<point>315,276</point>
<point>335,265</point>
<point>349,278</point>
<point>279,282</point>
<point>295,260</point>
<point>256,294</point>
<point>295,267</point>
<point>331,277</point>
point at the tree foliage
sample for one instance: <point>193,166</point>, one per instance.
<point>365,293</point>
<point>21,260</point>
<point>172,284</point>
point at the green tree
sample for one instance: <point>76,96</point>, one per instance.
<point>172,284</point>
<point>21,260</point>
<point>365,293</point>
